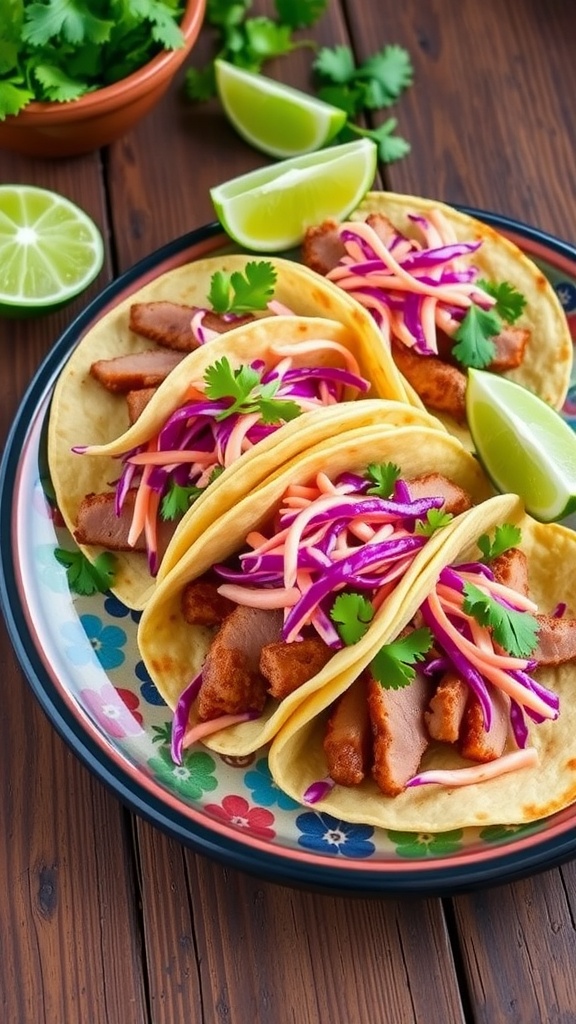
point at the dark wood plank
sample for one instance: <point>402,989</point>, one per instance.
<point>519,949</point>
<point>248,950</point>
<point>490,116</point>
<point>69,932</point>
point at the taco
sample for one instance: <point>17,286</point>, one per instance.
<point>240,632</point>
<point>108,402</point>
<point>448,293</point>
<point>460,714</point>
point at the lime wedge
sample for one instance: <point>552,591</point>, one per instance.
<point>50,250</point>
<point>524,445</point>
<point>269,209</point>
<point>273,117</point>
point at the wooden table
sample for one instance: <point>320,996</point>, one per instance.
<point>102,918</point>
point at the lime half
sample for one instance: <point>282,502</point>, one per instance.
<point>273,117</point>
<point>524,445</point>
<point>50,250</point>
<point>269,209</point>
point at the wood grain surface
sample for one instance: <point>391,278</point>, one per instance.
<point>103,919</point>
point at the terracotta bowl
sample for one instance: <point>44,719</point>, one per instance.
<point>94,120</point>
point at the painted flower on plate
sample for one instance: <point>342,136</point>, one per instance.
<point>89,637</point>
<point>148,688</point>
<point>322,833</point>
<point>426,844</point>
<point>501,833</point>
<point>235,810</point>
<point>114,607</point>
<point>190,779</point>
<point>115,710</point>
<point>264,790</point>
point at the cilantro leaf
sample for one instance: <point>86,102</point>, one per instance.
<point>243,292</point>
<point>516,632</point>
<point>393,665</point>
<point>390,147</point>
<point>384,475</point>
<point>335,64</point>
<point>300,13</point>
<point>177,500</point>
<point>474,346</point>
<point>436,519</point>
<point>266,39</point>
<point>226,13</point>
<point>200,83</point>
<point>510,303</point>
<point>506,536</point>
<point>243,386</point>
<point>352,613</point>
<point>84,577</point>
<point>389,72</point>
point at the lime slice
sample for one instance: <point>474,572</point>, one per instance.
<point>269,209</point>
<point>524,445</point>
<point>275,118</point>
<point>50,250</point>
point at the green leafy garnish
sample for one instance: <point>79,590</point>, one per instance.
<point>248,394</point>
<point>352,614</point>
<point>506,536</point>
<point>393,665</point>
<point>84,577</point>
<point>474,345</point>
<point>248,43</point>
<point>178,500</point>
<point>243,292</point>
<point>516,632</point>
<point>61,49</point>
<point>384,475</point>
<point>372,85</point>
<point>510,303</point>
<point>436,519</point>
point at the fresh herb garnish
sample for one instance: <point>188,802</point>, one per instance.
<point>506,536</point>
<point>436,519</point>
<point>248,394</point>
<point>384,475</point>
<point>243,292</point>
<point>474,337</point>
<point>372,85</point>
<point>62,49</point>
<point>248,43</point>
<point>84,577</point>
<point>393,665</point>
<point>516,632</point>
<point>352,613</point>
<point>510,303</point>
<point>178,499</point>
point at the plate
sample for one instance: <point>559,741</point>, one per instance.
<point>81,659</point>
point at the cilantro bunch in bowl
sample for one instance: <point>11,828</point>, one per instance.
<point>89,61</point>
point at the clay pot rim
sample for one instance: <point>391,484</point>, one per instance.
<point>163,65</point>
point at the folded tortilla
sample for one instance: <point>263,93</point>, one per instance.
<point>297,758</point>
<point>173,651</point>
<point>547,362</point>
<point>85,413</point>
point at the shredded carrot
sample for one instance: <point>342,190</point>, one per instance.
<point>526,758</point>
<point>286,348</point>
<point>202,729</point>
<point>257,597</point>
<point>169,458</point>
<point>233,449</point>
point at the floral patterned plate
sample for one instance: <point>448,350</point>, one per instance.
<point>80,657</point>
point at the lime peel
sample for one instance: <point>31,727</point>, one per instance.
<point>524,445</point>
<point>269,209</point>
<point>275,118</point>
<point>50,250</point>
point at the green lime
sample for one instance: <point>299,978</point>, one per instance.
<point>50,250</point>
<point>269,209</point>
<point>524,445</point>
<point>272,117</point>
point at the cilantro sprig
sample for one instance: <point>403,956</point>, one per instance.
<point>352,614</point>
<point>374,84</point>
<point>84,577</point>
<point>383,476</point>
<point>474,345</point>
<point>243,292</point>
<point>506,536</point>
<point>436,519</point>
<point>178,499</point>
<point>243,385</point>
<point>62,49</point>
<point>516,632</point>
<point>393,666</point>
